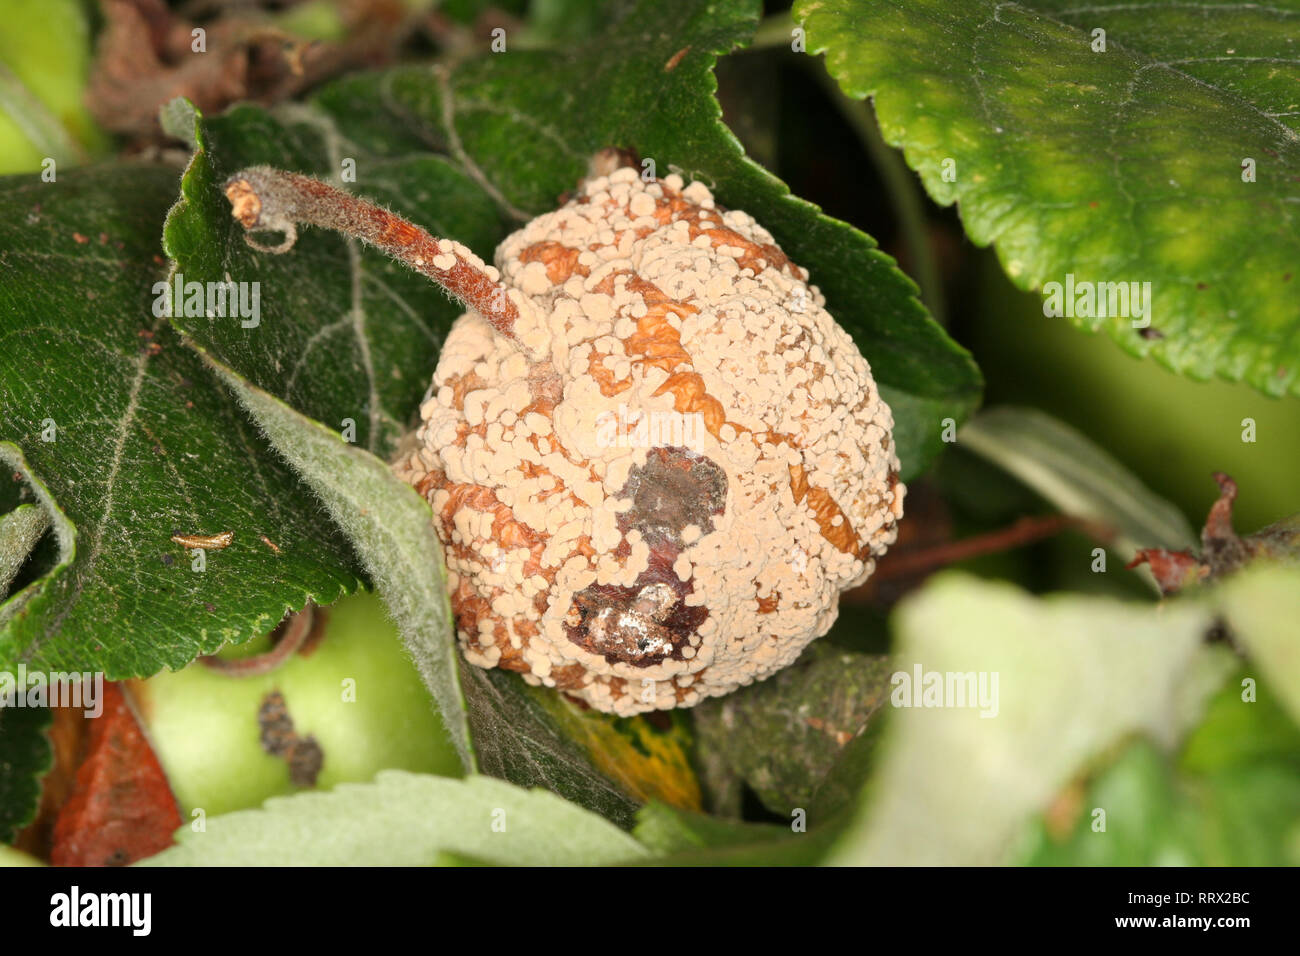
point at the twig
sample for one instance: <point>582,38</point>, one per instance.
<point>1023,531</point>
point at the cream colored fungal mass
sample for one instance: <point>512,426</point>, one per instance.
<point>659,496</point>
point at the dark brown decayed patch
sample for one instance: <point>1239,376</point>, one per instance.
<point>650,621</point>
<point>674,488</point>
<point>279,738</point>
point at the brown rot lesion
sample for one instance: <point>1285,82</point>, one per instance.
<point>650,621</point>
<point>674,489</point>
<point>642,625</point>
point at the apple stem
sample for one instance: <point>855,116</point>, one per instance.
<point>297,628</point>
<point>266,199</point>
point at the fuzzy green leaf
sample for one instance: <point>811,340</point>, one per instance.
<point>518,739</point>
<point>405,819</point>
<point>20,530</point>
<point>391,528</point>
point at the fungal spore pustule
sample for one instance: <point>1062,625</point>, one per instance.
<point>653,483</point>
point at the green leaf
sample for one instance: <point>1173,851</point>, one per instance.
<point>1115,166</point>
<point>1073,675</point>
<point>391,528</point>
<point>517,738</point>
<point>51,552</point>
<point>1262,609</point>
<point>854,769</point>
<point>405,819</point>
<point>346,336</point>
<point>146,445</point>
<point>647,762</point>
<point>783,735</point>
<point>1245,724</point>
<point>1077,476</point>
<point>681,838</point>
<point>25,756</point>
<point>1154,817</point>
<point>20,529</point>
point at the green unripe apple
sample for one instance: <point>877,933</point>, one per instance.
<point>357,693</point>
<point>11,857</point>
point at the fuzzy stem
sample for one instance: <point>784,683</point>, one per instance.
<point>263,198</point>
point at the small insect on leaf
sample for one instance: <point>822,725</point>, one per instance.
<point>208,542</point>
